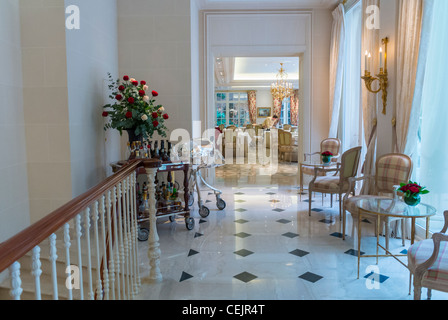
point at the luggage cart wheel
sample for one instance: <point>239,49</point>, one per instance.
<point>143,234</point>
<point>189,222</point>
<point>204,212</point>
<point>191,199</point>
<point>221,204</point>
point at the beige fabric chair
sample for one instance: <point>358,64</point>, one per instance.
<point>391,170</point>
<point>339,182</point>
<point>332,145</point>
<point>287,127</point>
<point>428,263</point>
<point>285,144</point>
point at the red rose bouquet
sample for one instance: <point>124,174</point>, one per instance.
<point>327,154</point>
<point>134,109</point>
<point>412,192</point>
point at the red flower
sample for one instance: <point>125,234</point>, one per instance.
<point>129,114</point>
<point>131,100</point>
<point>165,116</point>
<point>135,83</point>
<point>155,123</point>
<point>155,115</point>
<point>105,114</point>
<point>327,154</point>
<point>121,88</point>
<point>142,82</point>
<point>126,78</point>
<point>414,189</point>
<point>155,93</point>
<point>141,93</point>
<point>119,97</point>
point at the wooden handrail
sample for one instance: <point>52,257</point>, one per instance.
<point>17,246</point>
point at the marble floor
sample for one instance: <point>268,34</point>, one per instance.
<point>264,246</point>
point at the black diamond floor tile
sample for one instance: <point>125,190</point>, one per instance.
<point>327,221</point>
<point>290,235</point>
<point>245,277</point>
<point>192,252</point>
<point>271,193</point>
<point>243,252</point>
<point>299,253</point>
<point>336,234</point>
<point>242,235</point>
<point>284,221</point>
<point>353,252</point>
<point>185,276</point>
<point>241,221</point>
<point>376,277</point>
<point>240,201</point>
<point>239,193</point>
<point>241,210</point>
<point>311,277</point>
<point>274,201</point>
<point>197,235</point>
<point>278,210</point>
<point>202,221</point>
<point>317,210</point>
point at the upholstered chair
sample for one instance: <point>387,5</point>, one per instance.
<point>391,170</point>
<point>287,127</point>
<point>339,182</point>
<point>286,144</point>
<point>332,145</point>
<point>428,263</point>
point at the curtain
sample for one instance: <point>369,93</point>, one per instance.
<point>430,101</point>
<point>252,102</point>
<point>336,68</point>
<point>407,57</point>
<point>294,109</point>
<point>370,43</point>
<point>277,110</point>
<point>351,112</point>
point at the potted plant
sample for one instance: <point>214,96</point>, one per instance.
<point>326,157</point>
<point>134,109</point>
<point>412,192</point>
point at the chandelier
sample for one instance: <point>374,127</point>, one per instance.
<point>282,89</point>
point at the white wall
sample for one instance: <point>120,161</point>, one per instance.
<point>154,44</point>
<point>92,52</point>
<point>14,205</point>
<point>45,105</point>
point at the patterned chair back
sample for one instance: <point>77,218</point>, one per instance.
<point>287,127</point>
<point>332,145</point>
<point>350,163</point>
<point>287,138</point>
<point>281,137</point>
<point>391,170</point>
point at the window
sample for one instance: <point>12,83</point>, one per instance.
<point>285,116</point>
<point>431,159</point>
<point>232,109</point>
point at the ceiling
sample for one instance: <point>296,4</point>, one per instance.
<point>253,72</point>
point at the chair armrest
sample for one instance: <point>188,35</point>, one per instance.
<point>352,183</point>
<point>310,154</point>
<point>422,268</point>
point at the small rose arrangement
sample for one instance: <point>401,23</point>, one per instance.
<point>412,189</point>
<point>134,108</point>
<point>327,154</point>
<point>326,157</point>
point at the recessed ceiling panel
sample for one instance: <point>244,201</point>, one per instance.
<point>265,68</point>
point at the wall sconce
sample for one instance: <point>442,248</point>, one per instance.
<point>382,77</point>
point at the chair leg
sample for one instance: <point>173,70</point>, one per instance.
<point>429,294</point>
<point>417,292</point>
<point>331,200</point>
<point>344,220</point>
<point>309,202</point>
<point>340,208</point>
<point>403,232</point>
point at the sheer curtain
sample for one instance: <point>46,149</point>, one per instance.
<point>336,68</point>
<point>351,113</point>
<point>432,168</point>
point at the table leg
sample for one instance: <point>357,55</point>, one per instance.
<point>378,226</point>
<point>413,231</point>
<point>427,227</point>
<point>301,180</point>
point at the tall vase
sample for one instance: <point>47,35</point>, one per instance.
<point>133,137</point>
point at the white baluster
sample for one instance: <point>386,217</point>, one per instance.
<point>53,259</point>
<point>89,253</point>
<point>121,206</point>
<point>116,211</point>
<point>78,233</point>
<point>130,242</point>
<point>126,238</point>
<point>104,258</point>
<point>68,267</point>
<point>36,271</point>
<point>99,287</point>
<point>134,233</point>
<point>111,252</point>
<point>153,240</point>
<point>16,282</point>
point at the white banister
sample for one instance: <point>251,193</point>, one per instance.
<point>89,253</point>
<point>16,282</point>
<point>126,239</point>
<point>121,206</point>
<point>111,252</point>
<point>78,234</point>
<point>128,232</point>
<point>54,272</point>
<point>68,267</point>
<point>153,240</point>
<point>117,246</point>
<point>104,258</point>
<point>134,232</point>
<point>99,288</point>
<point>36,271</point>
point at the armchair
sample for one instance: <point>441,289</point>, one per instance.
<point>286,144</point>
<point>391,170</point>
<point>332,145</point>
<point>428,262</point>
<point>339,182</point>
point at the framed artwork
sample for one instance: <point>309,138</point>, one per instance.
<point>264,112</point>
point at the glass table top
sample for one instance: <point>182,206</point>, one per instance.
<point>318,163</point>
<point>395,208</point>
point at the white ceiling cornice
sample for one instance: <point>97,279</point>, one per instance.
<point>265,4</point>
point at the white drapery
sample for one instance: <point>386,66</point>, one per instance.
<point>370,43</point>
<point>336,68</point>
<point>407,58</point>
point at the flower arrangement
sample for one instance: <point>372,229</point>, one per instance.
<point>134,109</point>
<point>327,154</point>
<point>326,157</point>
<point>412,192</point>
